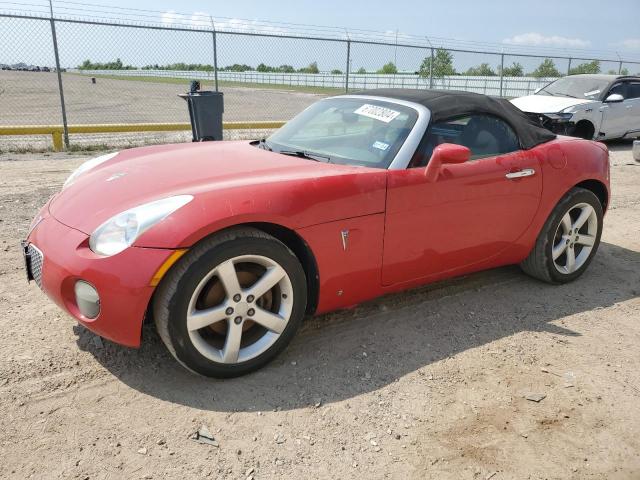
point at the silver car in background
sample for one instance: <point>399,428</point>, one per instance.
<point>598,107</point>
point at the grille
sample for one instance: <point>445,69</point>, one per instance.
<point>37,259</point>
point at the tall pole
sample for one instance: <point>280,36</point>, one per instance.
<point>346,82</point>
<point>65,127</point>
<point>215,52</point>
<point>569,67</point>
<point>431,70</point>
<point>619,64</point>
<point>395,54</point>
<point>501,72</point>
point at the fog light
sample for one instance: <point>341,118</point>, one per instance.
<point>87,299</point>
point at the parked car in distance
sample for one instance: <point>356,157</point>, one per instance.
<point>599,107</point>
<point>227,245</point>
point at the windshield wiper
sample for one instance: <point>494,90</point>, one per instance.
<point>307,155</point>
<point>262,143</point>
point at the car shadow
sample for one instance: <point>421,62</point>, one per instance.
<point>620,145</point>
<point>345,354</point>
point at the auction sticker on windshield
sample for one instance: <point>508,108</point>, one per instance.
<point>376,112</point>
<point>380,146</point>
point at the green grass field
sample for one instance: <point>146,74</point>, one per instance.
<point>221,83</point>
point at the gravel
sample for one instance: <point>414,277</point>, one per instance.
<point>449,364</point>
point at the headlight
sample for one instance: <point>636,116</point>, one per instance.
<point>560,117</point>
<point>119,232</point>
<point>88,165</point>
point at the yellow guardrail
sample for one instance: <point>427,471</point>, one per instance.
<point>57,131</point>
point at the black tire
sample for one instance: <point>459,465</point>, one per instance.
<point>540,264</point>
<point>584,129</point>
<point>172,298</point>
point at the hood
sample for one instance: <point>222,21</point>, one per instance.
<point>231,173</point>
<point>546,103</point>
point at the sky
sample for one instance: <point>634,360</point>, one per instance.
<point>549,27</point>
<point>587,24</point>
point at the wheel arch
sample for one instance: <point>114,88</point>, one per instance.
<point>537,262</point>
<point>293,241</point>
<point>302,250</point>
<point>585,129</point>
<point>598,188</point>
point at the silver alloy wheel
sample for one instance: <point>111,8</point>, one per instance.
<point>241,306</point>
<point>574,239</point>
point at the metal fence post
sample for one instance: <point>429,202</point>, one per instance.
<point>215,52</point>
<point>501,71</point>
<point>620,67</point>
<point>569,67</point>
<point>346,80</point>
<point>431,70</point>
<point>65,127</point>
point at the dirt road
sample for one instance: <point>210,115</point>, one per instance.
<point>426,384</point>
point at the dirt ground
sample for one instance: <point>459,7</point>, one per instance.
<point>425,384</point>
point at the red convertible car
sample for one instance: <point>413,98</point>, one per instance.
<point>227,245</point>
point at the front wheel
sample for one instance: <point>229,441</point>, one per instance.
<point>231,304</point>
<point>569,239</point>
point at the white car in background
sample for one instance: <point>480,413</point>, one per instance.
<point>598,107</point>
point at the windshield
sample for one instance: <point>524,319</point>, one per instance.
<point>349,131</point>
<point>585,88</point>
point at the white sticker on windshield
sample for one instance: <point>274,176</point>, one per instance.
<point>593,92</point>
<point>376,112</point>
<point>381,146</point>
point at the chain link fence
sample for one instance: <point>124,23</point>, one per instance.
<point>128,73</point>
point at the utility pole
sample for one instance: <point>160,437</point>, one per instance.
<point>346,78</point>
<point>215,51</point>
<point>395,54</point>
<point>501,72</point>
<point>430,64</point>
<point>619,64</point>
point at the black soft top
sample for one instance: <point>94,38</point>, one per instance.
<point>447,104</point>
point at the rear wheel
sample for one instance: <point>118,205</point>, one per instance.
<point>569,239</point>
<point>231,304</point>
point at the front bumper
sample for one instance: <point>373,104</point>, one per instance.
<point>122,280</point>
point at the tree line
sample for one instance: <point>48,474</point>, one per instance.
<point>441,65</point>
<point>236,67</point>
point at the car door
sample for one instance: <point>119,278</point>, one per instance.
<point>471,213</point>
<point>615,115</point>
<point>632,106</point>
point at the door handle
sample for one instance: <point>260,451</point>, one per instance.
<point>526,172</point>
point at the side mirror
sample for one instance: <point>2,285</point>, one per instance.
<point>445,153</point>
<point>614,98</point>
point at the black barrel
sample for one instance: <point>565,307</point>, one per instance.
<point>205,112</point>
